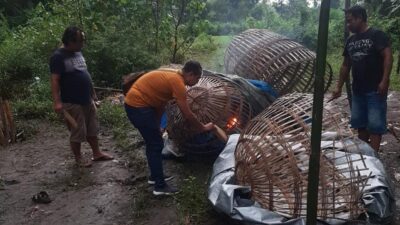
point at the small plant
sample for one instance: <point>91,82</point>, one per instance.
<point>192,201</point>
<point>114,117</point>
<point>140,204</point>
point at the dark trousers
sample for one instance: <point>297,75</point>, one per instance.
<point>145,120</point>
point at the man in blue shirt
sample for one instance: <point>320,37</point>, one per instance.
<point>73,93</point>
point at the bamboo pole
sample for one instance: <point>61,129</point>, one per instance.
<point>346,35</point>
<point>398,62</point>
<point>107,89</point>
<point>318,104</point>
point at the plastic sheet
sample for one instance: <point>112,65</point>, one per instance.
<point>234,200</point>
<point>259,96</point>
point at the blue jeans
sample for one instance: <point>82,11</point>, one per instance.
<point>145,120</point>
<point>369,112</point>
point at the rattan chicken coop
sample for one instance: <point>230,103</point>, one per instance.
<point>272,158</point>
<point>219,99</point>
<point>283,63</point>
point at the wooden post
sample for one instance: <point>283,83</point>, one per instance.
<point>318,105</point>
<point>10,119</point>
<point>3,127</point>
<point>3,141</point>
<point>7,127</point>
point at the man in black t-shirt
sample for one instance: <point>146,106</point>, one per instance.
<point>73,94</point>
<point>368,54</point>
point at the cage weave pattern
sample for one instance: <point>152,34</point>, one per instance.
<point>272,158</point>
<point>263,55</point>
<point>212,100</point>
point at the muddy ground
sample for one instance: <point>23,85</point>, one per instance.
<point>113,192</point>
<point>110,192</point>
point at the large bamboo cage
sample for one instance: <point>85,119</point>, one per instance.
<point>273,153</point>
<point>217,99</point>
<point>283,63</point>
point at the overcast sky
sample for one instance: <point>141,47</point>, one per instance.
<point>310,2</point>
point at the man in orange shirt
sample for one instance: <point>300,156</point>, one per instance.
<point>145,103</point>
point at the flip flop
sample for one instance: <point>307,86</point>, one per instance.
<point>41,197</point>
<point>103,158</point>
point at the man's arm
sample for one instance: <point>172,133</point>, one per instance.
<point>387,56</point>
<point>188,114</point>
<point>343,75</point>
<point>55,91</point>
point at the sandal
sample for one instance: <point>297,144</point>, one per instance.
<point>41,197</point>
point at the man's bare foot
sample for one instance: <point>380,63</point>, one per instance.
<point>102,157</point>
<point>83,163</point>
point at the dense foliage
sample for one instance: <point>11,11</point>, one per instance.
<point>125,36</point>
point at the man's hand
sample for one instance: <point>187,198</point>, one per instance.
<point>208,127</point>
<point>57,107</point>
<point>383,87</point>
<point>97,103</point>
<point>162,130</point>
<point>335,94</point>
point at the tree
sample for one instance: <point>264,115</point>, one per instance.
<point>230,10</point>
<point>395,8</point>
<point>15,10</point>
<point>182,24</point>
<point>395,15</point>
<point>157,11</point>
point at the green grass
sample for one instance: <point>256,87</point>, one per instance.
<point>192,203</point>
<point>335,58</point>
<point>114,117</point>
<point>395,78</point>
<point>210,51</point>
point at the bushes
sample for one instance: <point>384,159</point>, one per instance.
<point>111,54</point>
<point>36,101</point>
<point>116,45</point>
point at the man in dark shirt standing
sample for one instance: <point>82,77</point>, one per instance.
<point>368,54</point>
<point>73,93</point>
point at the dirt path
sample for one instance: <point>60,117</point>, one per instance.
<point>80,196</point>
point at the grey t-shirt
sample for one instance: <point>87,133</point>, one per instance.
<point>75,81</point>
<point>364,50</point>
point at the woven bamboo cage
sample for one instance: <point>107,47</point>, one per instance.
<point>215,98</point>
<point>211,100</point>
<point>272,158</point>
<point>283,63</point>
